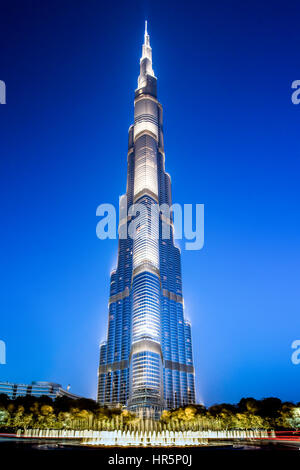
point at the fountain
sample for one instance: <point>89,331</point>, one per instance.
<point>146,432</point>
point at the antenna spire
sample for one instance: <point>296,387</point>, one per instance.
<point>145,60</point>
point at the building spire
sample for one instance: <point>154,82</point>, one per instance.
<point>145,60</point>
<point>146,36</point>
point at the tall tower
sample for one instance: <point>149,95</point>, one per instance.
<point>146,362</point>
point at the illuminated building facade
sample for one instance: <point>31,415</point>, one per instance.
<point>146,361</point>
<point>35,389</point>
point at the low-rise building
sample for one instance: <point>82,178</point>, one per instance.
<point>36,389</point>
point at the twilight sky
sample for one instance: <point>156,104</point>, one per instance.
<point>232,143</point>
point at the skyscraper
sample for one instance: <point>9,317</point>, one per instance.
<point>146,361</point>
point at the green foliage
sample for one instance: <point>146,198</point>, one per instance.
<point>249,413</point>
<point>62,413</point>
<point>66,413</point>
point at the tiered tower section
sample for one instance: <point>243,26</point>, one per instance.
<point>146,363</point>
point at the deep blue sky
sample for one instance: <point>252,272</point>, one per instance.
<point>232,142</point>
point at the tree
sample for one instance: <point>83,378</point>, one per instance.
<point>4,417</point>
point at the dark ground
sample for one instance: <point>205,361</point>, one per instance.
<point>237,456</point>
